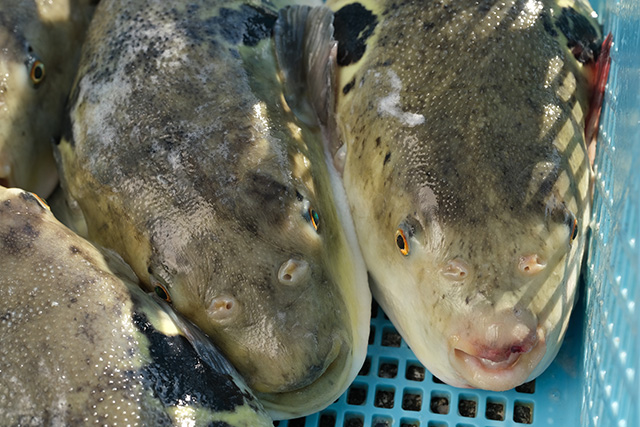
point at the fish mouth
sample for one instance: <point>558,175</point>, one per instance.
<point>499,370</point>
<point>322,385</point>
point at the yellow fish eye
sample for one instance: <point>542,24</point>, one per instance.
<point>401,242</point>
<point>37,72</point>
<point>314,218</point>
<point>574,229</point>
<point>162,292</point>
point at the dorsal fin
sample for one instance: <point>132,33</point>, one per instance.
<point>305,51</point>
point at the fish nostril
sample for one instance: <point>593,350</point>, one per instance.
<point>531,264</point>
<point>455,270</point>
<point>222,308</point>
<point>292,271</point>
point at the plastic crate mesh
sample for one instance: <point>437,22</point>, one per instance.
<point>595,378</point>
<point>611,391</point>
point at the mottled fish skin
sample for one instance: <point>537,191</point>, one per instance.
<point>83,344</point>
<point>41,43</point>
<point>466,173</point>
<point>183,158</point>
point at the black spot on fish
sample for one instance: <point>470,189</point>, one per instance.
<point>582,38</point>
<point>484,6</point>
<point>18,239</point>
<point>178,374</point>
<point>30,198</point>
<point>353,25</point>
<point>249,24</point>
<point>386,158</point>
<point>349,86</point>
<point>74,250</point>
<point>547,24</point>
<point>378,140</point>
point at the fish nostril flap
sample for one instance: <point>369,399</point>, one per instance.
<point>455,270</point>
<point>531,264</point>
<point>292,271</point>
<point>222,308</point>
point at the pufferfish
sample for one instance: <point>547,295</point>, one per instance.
<point>182,157</point>
<point>40,44</point>
<point>83,344</point>
<point>459,127</point>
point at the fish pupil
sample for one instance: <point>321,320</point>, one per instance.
<point>162,293</point>
<point>401,242</point>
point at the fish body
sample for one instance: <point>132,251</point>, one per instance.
<point>41,43</point>
<point>82,343</point>
<point>459,127</point>
<point>183,158</point>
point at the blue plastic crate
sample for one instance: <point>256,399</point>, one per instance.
<point>595,379</point>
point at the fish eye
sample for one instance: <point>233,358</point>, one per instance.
<point>402,242</point>
<point>41,201</point>
<point>574,229</point>
<point>312,216</point>
<point>37,72</point>
<point>162,292</point>
<point>315,218</point>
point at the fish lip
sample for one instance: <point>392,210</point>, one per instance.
<point>482,373</point>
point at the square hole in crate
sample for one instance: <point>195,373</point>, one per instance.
<point>374,309</point>
<point>390,337</point>
<point>384,397</point>
<point>327,419</point>
<point>439,403</point>
<point>381,421</point>
<point>415,371</point>
<point>388,368</point>
<point>495,409</point>
<point>352,419</point>
<point>437,380</point>
<point>437,424</point>
<point>464,425</point>
<point>411,399</point>
<point>372,334</point>
<point>467,405</point>
<point>357,394</point>
<point>529,387</point>
<point>296,422</point>
<point>409,422</point>
<point>523,412</point>
<point>366,367</point>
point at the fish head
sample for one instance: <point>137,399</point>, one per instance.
<point>40,47</point>
<point>492,283</point>
<point>270,289</point>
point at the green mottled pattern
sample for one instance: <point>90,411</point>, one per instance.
<point>184,159</point>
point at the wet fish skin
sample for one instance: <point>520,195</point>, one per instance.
<point>183,158</point>
<point>41,43</point>
<point>82,343</point>
<point>466,173</point>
